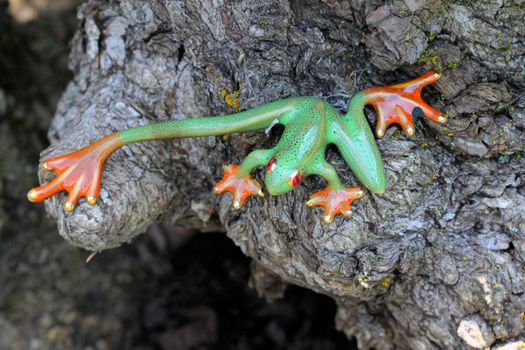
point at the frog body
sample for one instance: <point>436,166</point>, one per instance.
<point>301,150</point>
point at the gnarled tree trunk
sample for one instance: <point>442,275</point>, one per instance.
<point>436,262</point>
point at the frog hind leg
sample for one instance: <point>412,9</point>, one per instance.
<point>401,103</point>
<point>79,173</point>
<point>237,179</point>
<point>335,198</point>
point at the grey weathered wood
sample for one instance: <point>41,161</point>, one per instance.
<point>436,262</point>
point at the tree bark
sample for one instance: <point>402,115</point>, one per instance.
<point>436,262</point>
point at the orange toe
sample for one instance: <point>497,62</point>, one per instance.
<point>335,201</point>
<point>402,103</point>
<point>241,186</point>
<point>79,173</point>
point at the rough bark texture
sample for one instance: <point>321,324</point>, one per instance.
<point>164,291</point>
<point>436,262</point>
<point>46,297</point>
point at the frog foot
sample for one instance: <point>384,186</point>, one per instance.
<point>402,103</point>
<point>79,173</point>
<point>239,184</point>
<point>335,201</point>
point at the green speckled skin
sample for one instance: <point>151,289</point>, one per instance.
<point>310,125</point>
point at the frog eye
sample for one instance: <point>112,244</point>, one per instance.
<point>271,165</point>
<point>296,179</point>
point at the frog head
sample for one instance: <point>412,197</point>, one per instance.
<point>281,178</point>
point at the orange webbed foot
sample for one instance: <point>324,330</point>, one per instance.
<point>335,201</point>
<point>240,185</point>
<point>401,103</point>
<point>79,173</point>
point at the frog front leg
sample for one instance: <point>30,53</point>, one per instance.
<point>237,179</point>
<point>335,198</point>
